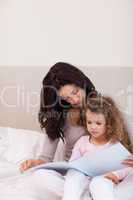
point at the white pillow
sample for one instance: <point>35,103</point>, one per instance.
<point>24,144</point>
<point>8,169</point>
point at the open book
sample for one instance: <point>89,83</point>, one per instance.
<point>93,164</point>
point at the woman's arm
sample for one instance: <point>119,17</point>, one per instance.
<point>30,163</point>
<point>49,150</point>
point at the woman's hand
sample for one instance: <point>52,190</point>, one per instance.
<point>112,177</point>
<point>30,163</point>
<point>129,161</point>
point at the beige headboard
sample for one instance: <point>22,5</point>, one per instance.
<point>20,91</point>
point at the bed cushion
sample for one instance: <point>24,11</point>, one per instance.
<point>24,144</point>
<point>8,169</point>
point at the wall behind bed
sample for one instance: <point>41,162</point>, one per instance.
<point>91,34</point>
<point>83,32</point>
<point>20,91</point>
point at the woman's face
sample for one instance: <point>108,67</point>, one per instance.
<point>72,94</point>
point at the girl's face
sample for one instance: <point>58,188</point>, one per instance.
<point>72,94</point>
<point>96,124</point>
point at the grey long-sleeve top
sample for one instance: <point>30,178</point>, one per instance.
<point>71,135</point>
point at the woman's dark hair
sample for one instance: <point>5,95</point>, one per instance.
<point>53,110</point>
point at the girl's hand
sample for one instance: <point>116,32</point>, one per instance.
<point>112,177</point>
<point>30,163</point>
<point>129,161</point>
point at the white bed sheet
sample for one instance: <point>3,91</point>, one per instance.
<point>28,186</point>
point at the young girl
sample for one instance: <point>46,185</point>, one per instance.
<point>105,127</point>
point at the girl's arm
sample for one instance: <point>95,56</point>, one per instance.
<point>75,155</point>
<point>128,161</point>
<point>117,176</point>
<point>122,173</point>
<point>76,152</point>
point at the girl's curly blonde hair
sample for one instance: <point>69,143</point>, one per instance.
<point>115,127</point>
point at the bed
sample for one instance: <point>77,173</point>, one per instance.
<point>17,145</point>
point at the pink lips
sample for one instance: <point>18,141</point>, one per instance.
<point>93,132</point>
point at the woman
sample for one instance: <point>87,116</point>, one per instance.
<point>64,92</point>
<point>65,89</point>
